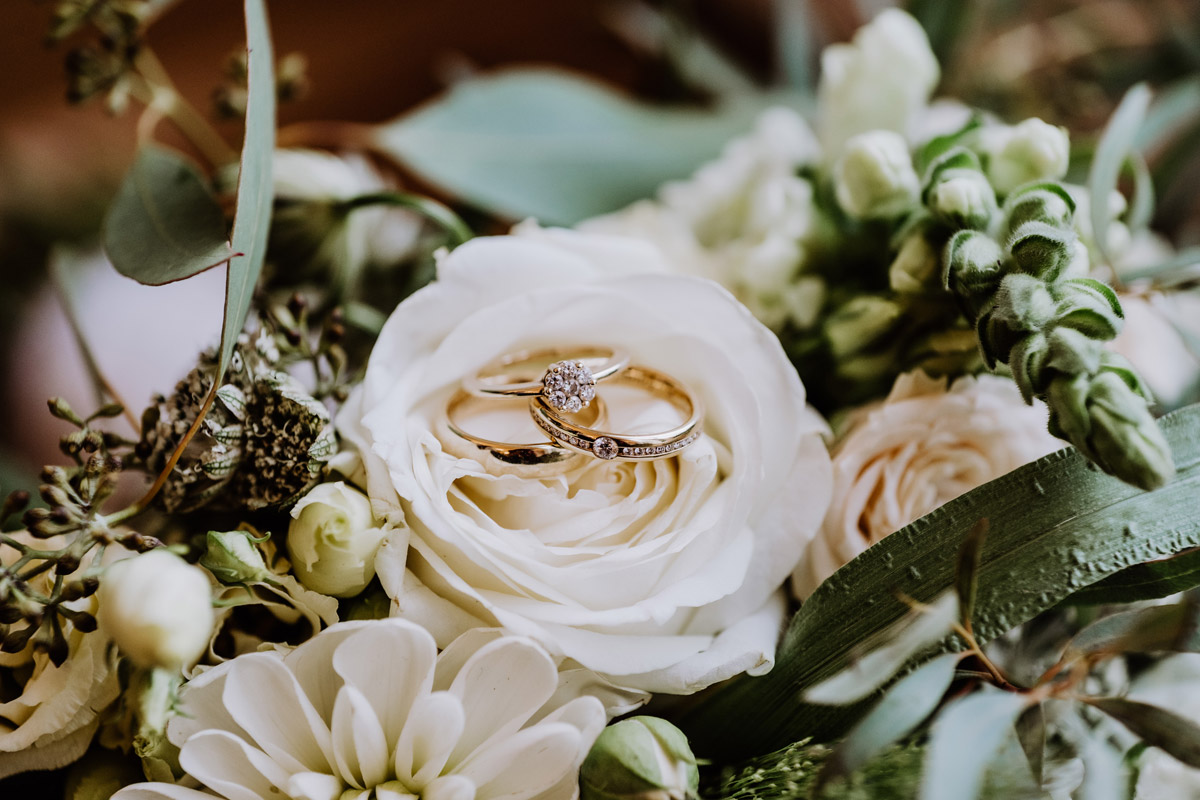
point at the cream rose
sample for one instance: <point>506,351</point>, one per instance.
<point>921,447</point>
<point>50,723</point>
<point>332,540</point>
<point>660,575</point>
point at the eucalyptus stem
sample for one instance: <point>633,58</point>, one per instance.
<point>430,209</point>
<point>156,91</point>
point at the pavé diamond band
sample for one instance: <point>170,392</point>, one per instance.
<point>564,377</point>
<point>570,433</point>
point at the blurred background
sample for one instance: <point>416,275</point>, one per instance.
<point>1067,61</point>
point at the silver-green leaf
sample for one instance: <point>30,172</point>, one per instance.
<point>1116,144</point>
<point>964,739</point>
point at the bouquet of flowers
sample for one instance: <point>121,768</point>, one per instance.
<point>797,446</point>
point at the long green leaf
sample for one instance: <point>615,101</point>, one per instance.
<point>965,738</point>
<point>543,143</point>
<point>1116,143</point>
<point>1158,629</point>
<point>1158,727</point>
<point>252,219</point>
<point>1057,525</point>
<point>164,225</point>
<point>1148,581</point>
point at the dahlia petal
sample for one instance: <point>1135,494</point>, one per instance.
<point>450,787</point>
<point>315,786</point>
<point>525,764</point>
<point>160,791</point>
<point>433,729</point>
<point>393,790</point>
<point>233,767</point>
<point>358,741</point>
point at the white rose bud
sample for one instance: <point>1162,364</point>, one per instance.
<point>332,540</point>
<point>157,608</point>
<point>914,266</point>
<point>964,198</point>
<point>1031,151</point>
<point>875,176</point>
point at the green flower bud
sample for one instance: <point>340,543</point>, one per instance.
<point>1023,303</point>
<point>1030,151</point>
<point>1048,203</point>
<point>1042,250</point>
<point>875,177</point>
<point>972,269</point>
<point>1089,307</point>
<point>233,558</point>
<point>1125,440</point>
<point>962,198</point>
<point>860,323</point>
<point>914,266</point>
<point>640,758</point>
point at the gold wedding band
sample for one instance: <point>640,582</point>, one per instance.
<point>526,455</point>
<point>608,446</point>
<point>564,377</point>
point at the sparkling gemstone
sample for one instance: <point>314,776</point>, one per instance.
<point>605,448</point>
<point>573,404</point>
<point>568,386</point>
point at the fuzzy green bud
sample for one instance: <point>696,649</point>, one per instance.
<point>875,178</point>
<point>1030,151</point>
<point>860,323</point>
<point>640,758</point>
<point>963,198</point>
<point>1042,250</point>
<point>233,557</point>
<point>914,266</point>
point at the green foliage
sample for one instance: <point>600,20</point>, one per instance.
<point>1116,145</point>
<point>1157,629</point>
<point>164,224</point>
<point>964,739</point>
<point>1156,726</point>
<point>1149,581</point>
<point>546,144</point>
<point>1065,526</point>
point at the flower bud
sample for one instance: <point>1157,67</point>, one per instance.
<point>860,323</point>
<point>157,608</point>
<point>1125,438</point>
<point>233,558</point>
<point>963,198</point>
<point>641,758</point>
<point>1031,151</point>
<point>332,540</point>
<point>914,266</point>
<point>875,176</point>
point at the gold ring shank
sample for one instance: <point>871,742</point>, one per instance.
<point>520,454</point>
<point>520,374</point>
<point>615,446</point>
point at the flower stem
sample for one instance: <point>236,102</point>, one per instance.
<point>430,209</point>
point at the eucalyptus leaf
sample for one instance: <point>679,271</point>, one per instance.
<point>1141,208</point>
<point>1159,727</point>
<point>164,224</point>
<point>1057,525</point>
<point>1168,628</point>
<point>964,739</point>
<point>915,632</point>
<point>1149,581</point>
<point>1174,107</point>
<point>1116,144</point>
<point>902,709</point>
<point>252,219</point>
<point>1031,733</point>
<point>544,143</point>
<point>1104,775</point>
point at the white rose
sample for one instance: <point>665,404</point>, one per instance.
<point>157,608</point>
<point>743,220</point>
<point>921,447</point>
<point>332,540</point>
<point>659,575</point>
<point>1152,342</point>
<point>51,720</point>
<point>881,80</point>
<point>875,177</point>
<point>1029,151</point>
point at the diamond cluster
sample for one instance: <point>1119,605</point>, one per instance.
<point>568,386</point>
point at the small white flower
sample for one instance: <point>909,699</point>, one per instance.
<point>157,608</point>
<point>921,447</point>
<point>880,81</point>
<point>1029,151</point>
<point>370,710</point>
<point>332,540</point>
<point>875,177</point>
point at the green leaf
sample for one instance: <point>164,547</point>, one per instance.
<point>252,219</point>
<point>966,573</point>
<point>1141,208</point>
<point>965,737</point>
<point>1104,774</point>
<point>1149,581</point>
<point>1031,733</point>
<point>940,145</point>
<point>164,225</point>
<point>915,632</point>
<point>1169,628</point>
<point>544,143</point>
<point>1116,144</point>
<point>1158,727</point>
<point>902,709</point>
<point>1056,526</point>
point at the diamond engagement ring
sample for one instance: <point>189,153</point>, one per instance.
<point>571,434</point>
<point>564,377</point>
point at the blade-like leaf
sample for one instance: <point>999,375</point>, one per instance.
<point>966,574</point>
<point>902,709</point>
<point>1104,774</point>
<point>1031,733</point>
<point>915,632</point>
<point>1169,628</point>
<point>1149,581</point>
<point>550,145</point>
<point>252,219</point>
<point>1114,148</point>
<point>1057,525</point>
<point>164,225</point>
<point>1158,727</point>
<point>964,739</point>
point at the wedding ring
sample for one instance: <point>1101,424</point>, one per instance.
<point>622,447</point>
<point>525,455</point>
<point>564,377</point>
